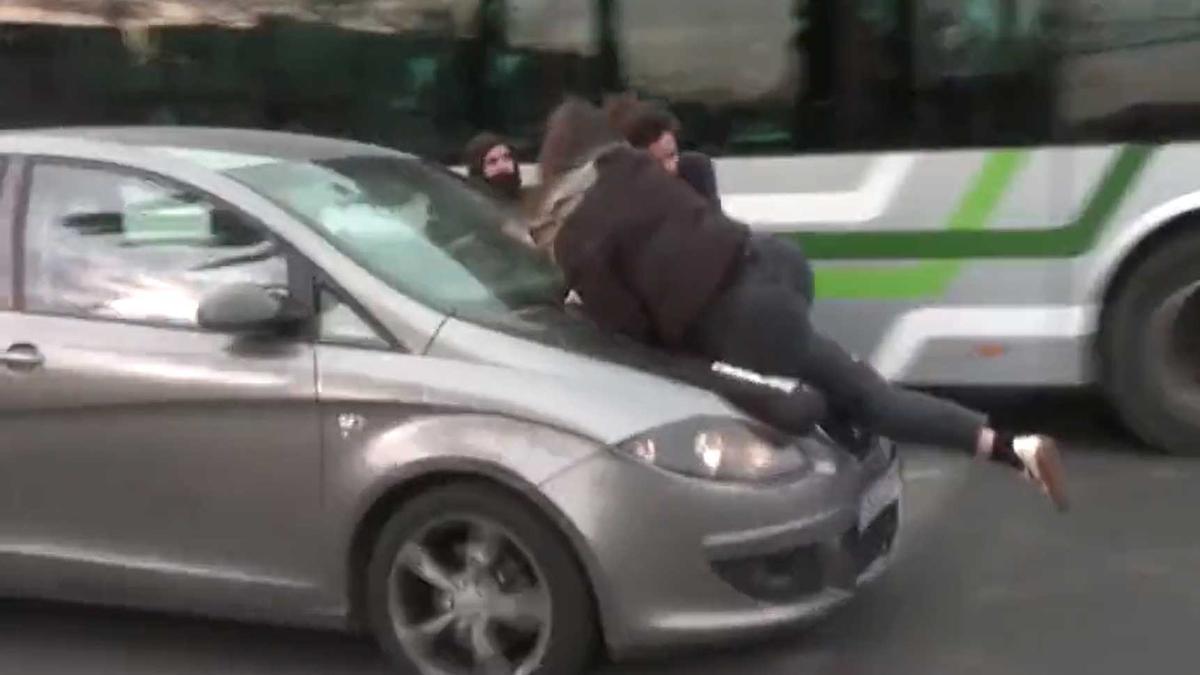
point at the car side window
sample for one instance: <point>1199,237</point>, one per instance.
<point>341,324</point>
<point>105,243</point>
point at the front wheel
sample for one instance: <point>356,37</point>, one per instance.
<point>468,580</point>
<point>1151,348</point>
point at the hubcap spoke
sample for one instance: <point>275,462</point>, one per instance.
<point>526,610</point>
<point>462,634</point>
<point>489,659</point>
<point>430,630</point>
<point>483,548</point>
<point>418,560</point>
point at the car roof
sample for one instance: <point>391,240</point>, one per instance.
<point>280,145</point>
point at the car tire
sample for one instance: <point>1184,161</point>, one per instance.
<point>567,645</point>
<point>1150,359</point>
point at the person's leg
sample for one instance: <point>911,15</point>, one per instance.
<point>915,417</point>
<point>765,327</point>
<point>862,393</point>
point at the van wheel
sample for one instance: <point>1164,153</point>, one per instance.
<point>1150,348</point>
<point>467,580</point>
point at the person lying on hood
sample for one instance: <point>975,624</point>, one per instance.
<point>650,259</point>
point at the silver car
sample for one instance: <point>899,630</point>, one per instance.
<point>302,380</point>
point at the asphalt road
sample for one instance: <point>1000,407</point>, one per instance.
<point>988,580</point>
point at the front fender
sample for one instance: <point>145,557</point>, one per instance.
<point>507,449</point>
<point>367,483</point>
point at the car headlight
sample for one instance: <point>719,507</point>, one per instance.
<point>720,449</point>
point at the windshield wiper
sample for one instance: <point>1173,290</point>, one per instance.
<point>450,316</point>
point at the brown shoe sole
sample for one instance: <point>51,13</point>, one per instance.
<point>1051,474</point>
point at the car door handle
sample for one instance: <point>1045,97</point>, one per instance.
<point>22,356</point>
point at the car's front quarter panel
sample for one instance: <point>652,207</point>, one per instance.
<point>415,443</point>
<point>392,420</point>
<point>656,537</point>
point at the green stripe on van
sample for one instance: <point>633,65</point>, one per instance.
<point>930,277</point>
<point>939,255</point>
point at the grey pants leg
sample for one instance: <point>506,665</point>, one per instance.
<point>867,398</point>
<point>763,325</point>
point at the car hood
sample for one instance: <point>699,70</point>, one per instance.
<point>570,376</point>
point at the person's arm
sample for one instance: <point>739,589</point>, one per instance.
<point>611,304</point>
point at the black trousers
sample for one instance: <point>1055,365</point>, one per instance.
<point>761,322</point>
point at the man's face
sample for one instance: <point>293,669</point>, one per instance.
<point>498,161</point>
<point>501,171</point>
<point>666,151</point>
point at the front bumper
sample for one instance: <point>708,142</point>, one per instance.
<point>679,562</point>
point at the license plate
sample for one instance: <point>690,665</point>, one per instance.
<point>883,492</point>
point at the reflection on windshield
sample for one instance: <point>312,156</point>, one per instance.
<point>418,228</point>
<point>114,245</point>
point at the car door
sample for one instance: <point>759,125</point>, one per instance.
<point>141,458</point>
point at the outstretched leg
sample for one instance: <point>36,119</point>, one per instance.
<point>765,327</point>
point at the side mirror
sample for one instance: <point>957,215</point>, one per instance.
<point>242,308</point>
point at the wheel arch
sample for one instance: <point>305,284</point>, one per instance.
<point>1161,235</point>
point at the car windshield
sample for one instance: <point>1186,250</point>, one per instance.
<point>418,227</point>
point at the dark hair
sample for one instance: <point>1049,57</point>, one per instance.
<point>478,148</point>
<point>619,108</point>
<point>574,129</point>
<point>640,122</point>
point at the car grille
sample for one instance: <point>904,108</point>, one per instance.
<point>788,576</point>
<point>874,542</point>
<point>797,573</point>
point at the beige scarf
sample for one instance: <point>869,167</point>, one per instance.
<point>562,200</point>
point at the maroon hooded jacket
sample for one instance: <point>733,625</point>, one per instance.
<point>645,252</point>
